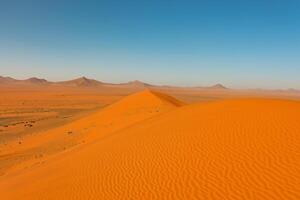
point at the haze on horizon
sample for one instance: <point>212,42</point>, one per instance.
<point>241,44</point>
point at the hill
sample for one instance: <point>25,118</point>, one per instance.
<point>137,83</point>
<point>29,81</point>
<point>6,80</point>
<point>84,82</point>
<point>218,86</point>
<point>81,82</point>
<point>35,80</point>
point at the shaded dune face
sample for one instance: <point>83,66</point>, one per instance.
<point>232,149</point>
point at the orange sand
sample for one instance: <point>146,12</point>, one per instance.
<point>152,146</point>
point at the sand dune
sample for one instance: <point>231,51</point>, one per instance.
<point>230,149</point>
<point>128,111</point>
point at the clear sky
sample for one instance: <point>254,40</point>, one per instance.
<point>239,43</point>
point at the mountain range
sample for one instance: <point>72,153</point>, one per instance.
<point>92,83</point>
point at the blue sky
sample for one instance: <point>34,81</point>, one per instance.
<point>239,43</point>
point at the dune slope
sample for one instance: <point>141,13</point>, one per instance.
<point>126,112</point>
<point>232,149</point>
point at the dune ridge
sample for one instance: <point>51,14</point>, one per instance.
<point>119,115</point>
<point>230,149</point>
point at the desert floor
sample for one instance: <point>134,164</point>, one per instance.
<point>120,143</point>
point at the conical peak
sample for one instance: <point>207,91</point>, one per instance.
<point>82,81</point>
<point>218,86</point>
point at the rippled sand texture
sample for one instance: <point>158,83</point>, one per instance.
<point>228,149</point>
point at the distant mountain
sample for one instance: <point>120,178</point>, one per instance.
<point>218,86</point>
<point>81,82</point>
<point>7,79</point>
<point>86,82</point>
<point>35,80</point>
<point>137,83</point>
<point>293,90</point>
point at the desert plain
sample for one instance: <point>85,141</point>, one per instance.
<point>84,139</point>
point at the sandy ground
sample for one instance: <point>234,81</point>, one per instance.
<point>24,109</point>
<point>67,143</point>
